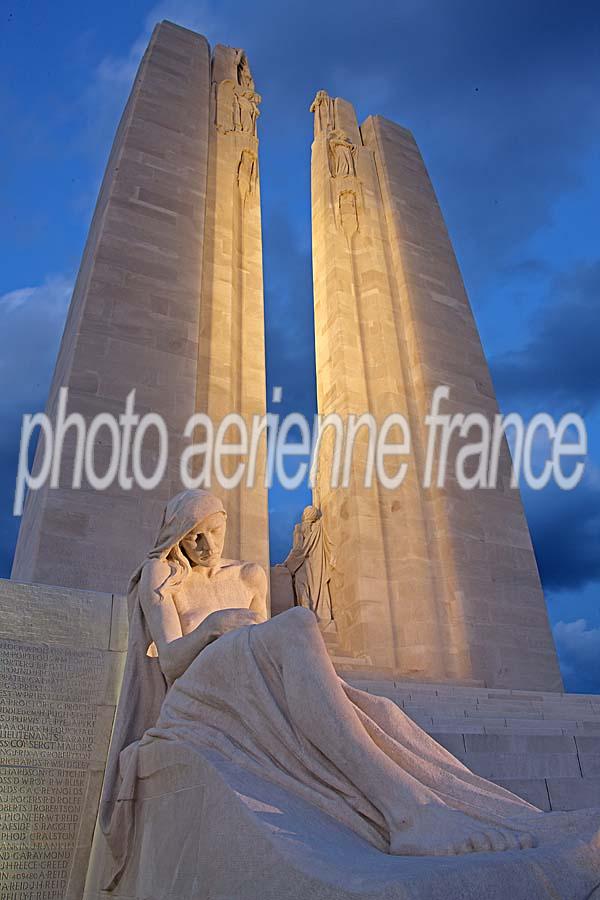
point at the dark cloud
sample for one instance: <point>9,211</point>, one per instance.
<point>556,370</point>
<point>501,98</point>
<point>289,322</point>
<point>565,529</point>
<point>33,320</point>
<point>290,357</point>
<point>578,648</point>
<point>558,366</point>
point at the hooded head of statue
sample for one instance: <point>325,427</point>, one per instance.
<point>192,532</point>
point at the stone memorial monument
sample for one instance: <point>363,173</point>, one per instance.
<point>169,301</point>
<point>217,699</point>
<point>398,733</point>
<point>446,585</point>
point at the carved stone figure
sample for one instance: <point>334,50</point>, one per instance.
<point>247,172</point>
<point>244,76</point>
<point>310,562</point>
<point>348,213</point>
<point>248,102</point>
<point>228,116</point>
<point>342,153</point>
<point>323,108</point>
<point>208,674</point>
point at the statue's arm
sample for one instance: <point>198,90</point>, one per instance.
<point>175,650</point>
<point>295,557</point>
<point>256,579</point>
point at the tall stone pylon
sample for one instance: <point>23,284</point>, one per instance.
<point>429,583</point>
<point>231,369</point>
<point>168,301</point>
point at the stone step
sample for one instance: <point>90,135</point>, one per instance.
<point>432,690</point>
<point>534,790</point>
<point>544,747</point>
<point>460,710</point>
<point>331,639</point>
<point>576,713</point>
<point>344,662</point>
<point>573,793</point>
<point>570,717</point>
<point>558,772</point>
<point>555,793</point>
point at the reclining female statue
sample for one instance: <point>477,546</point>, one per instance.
<point>206,667</point>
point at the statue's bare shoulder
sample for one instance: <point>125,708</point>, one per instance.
<point>253,575</point>
<point>254,579</point>
<point>154,574</point>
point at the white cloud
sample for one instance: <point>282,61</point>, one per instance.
<point>53,295</point>
<point>14,299</point>
<point>104,98</point>
<point>117,72</point>
<point>196,15</point>
<point>33,320</point>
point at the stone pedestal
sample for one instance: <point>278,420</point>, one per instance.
<point>210,829</point>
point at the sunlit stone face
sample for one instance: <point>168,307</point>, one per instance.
<point>203,546</point>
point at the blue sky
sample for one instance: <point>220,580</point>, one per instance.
<point>503,100</point>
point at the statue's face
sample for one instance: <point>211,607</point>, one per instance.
<point>203,545</point>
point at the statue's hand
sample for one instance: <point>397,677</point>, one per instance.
<point>224,620</point>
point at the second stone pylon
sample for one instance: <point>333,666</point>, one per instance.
<point>428,583</point>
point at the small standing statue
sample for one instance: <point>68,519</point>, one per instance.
<point>323,108</point>
<point>341,155</point>
<point>310,563</point>
<point>244,76</point>
<point>248,101</point>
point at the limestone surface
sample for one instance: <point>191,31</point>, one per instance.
<point>436,583</point>
<point>62,654</point>
<point>241,837</point>
<point>169,302</point>
<point>310,563</point>
<point>263,697</point>
<point>61,661</point>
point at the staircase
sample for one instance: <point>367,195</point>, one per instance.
<point>545,747</point>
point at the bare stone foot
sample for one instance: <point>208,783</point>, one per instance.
<point>441,831</point>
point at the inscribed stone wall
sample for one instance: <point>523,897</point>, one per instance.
<point>61,659</point>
